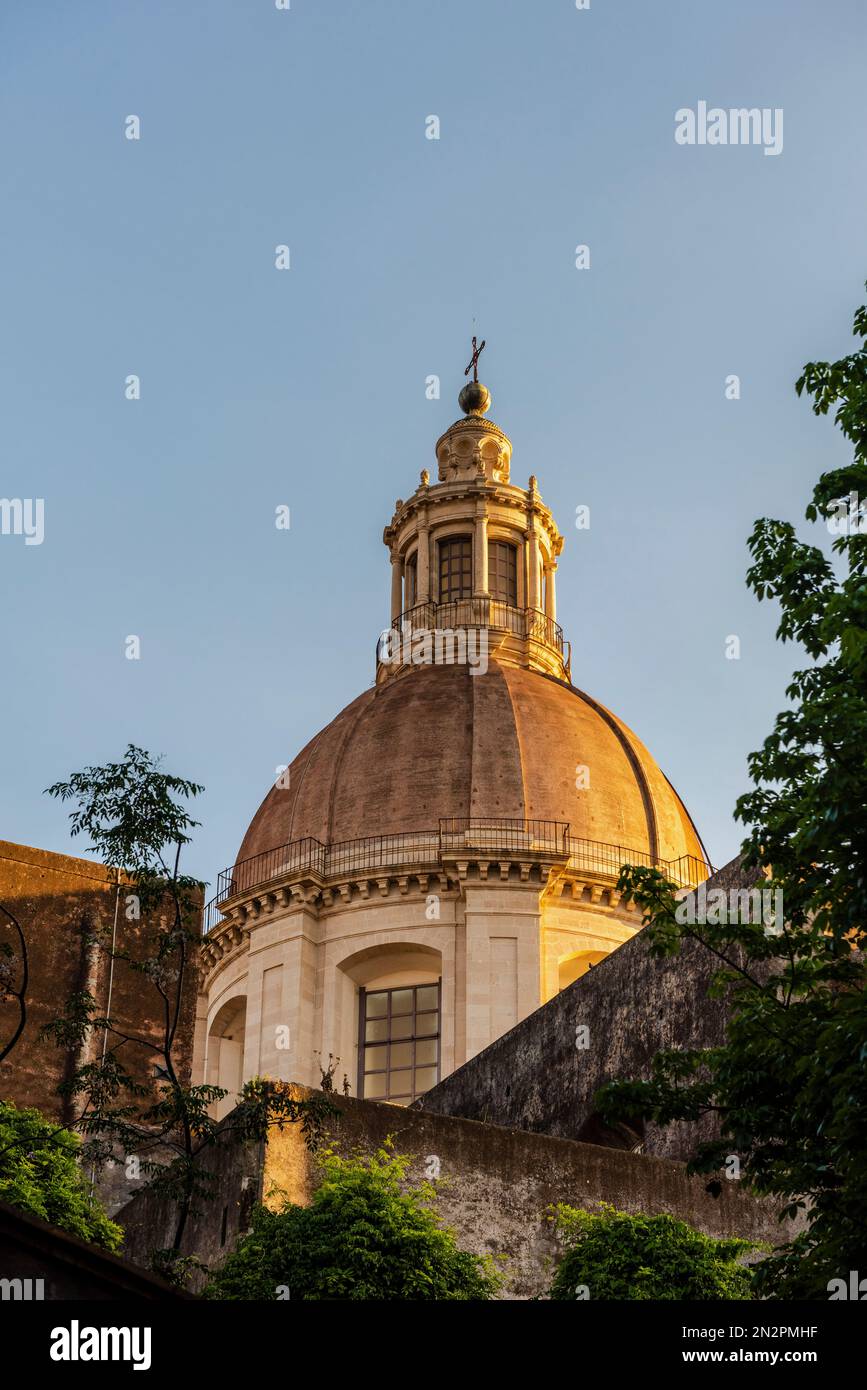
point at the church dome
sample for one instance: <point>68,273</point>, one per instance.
<point>512,744</point>
<point>443,856</point>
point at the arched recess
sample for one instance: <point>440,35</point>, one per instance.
<point>571,968</point>
<point>612,1134</point>
<point>393,963</point>
<point>396,965</point>
<point>225,1058</point>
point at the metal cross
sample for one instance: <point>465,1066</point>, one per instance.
<point>474,360</point>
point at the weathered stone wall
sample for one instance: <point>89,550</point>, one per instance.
<point>495,1187</point>
<point>150,1222</point>
<point>536,1078</point>
<point>52,895</point>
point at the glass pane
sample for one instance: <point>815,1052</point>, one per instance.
<point>427,997</point>
<point>426,1051</point>
<point>502,567</point>
<point>402,1027</point>
<point>374,1058</point>
<point>401,1001</point>
<point>401,1055</point>
<point>374,1087</point>
<point>400,1083</point>
<point>376,1005</point>
<point>376,1030</point>
<point>425,1077</point>
<point>425,1024</point>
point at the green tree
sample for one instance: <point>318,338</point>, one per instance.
<point>135,818</point>
<point>789,1086</point>
<point>365,1236</point>
<point>610,1254</point>
<point>40,1175</point>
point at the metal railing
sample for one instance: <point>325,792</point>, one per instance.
<point>383,852</point>
<point>455,836</point>
<point>592,856</point>
<point>298,856</point>
<point>528,623</point>
<point>491,835</point>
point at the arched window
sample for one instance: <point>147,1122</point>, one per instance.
<point>225,1066</point>
<point>503,572</point>
<point>456,568</point>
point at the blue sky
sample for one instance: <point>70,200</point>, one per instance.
<point>306,387</point>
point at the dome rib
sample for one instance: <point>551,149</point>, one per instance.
<point>685,809</point>
<point>634,763</point>
<point>351,730</point>
<point>313,745</point>
<point>496,743</point>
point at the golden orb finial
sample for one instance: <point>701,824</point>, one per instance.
<point>475,399</point>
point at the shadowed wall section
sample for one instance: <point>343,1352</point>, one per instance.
<point>537,1078</point>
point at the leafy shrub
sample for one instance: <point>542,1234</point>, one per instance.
<point>365,1236</point>
<point>39,1174</point>
<point>617,1256</point>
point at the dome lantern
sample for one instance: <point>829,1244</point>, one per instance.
<point>474,551</point>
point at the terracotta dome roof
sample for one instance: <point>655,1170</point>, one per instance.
<point>438,741</point>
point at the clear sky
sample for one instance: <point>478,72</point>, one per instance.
<point>306,387</point>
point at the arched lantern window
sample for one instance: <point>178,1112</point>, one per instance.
<point>456,568</point>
